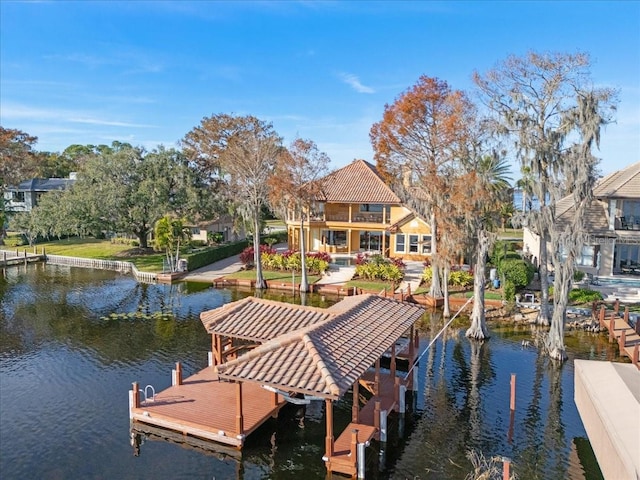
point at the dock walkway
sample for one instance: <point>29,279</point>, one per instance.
<point>620,331</point>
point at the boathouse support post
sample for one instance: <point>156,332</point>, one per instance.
<point>411,347</point>
<point>383,425</point>
<point>393,359</point>
<point>402,405</point>
<point>376,414</point>
<point>210,359</point>
<point>355,404</point>
<point>396,390</point>
<point>329,438</point>
<point>361,460</point>
<point>239,418</point>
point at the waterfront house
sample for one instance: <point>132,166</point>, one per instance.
<point>24,197</point>
<point>358,212</point>
<point>612,221</point>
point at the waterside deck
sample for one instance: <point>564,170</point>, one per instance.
<point>203,406</point>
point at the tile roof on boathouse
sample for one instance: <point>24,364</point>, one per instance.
<point>319,352</point>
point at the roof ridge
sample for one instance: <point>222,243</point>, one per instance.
<point>330,382</point>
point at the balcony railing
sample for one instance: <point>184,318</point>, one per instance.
<point>627,223</point>
<point>344,217</point>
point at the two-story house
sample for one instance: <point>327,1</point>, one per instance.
<point>613,225</point>
<point>24,197</point>
<point>358,212</point>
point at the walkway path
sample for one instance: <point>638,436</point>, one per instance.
<point>337,274</point>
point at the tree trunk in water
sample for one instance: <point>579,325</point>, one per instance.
<point>555,341</point>
<point>446,312</point>
<point>304,283</point>
<point>257,258</point>
<point>478,329</point>
<point>543,317</point>
<point>436,290</point>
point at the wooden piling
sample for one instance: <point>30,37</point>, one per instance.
<point>616,306</point>
<point>512,404</point>
<point>622,341</point>
<point>612,328</point>
<point>506,467</point>
<point>601,317</point>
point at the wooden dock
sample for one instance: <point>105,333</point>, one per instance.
<point>10,258</point>
<point>627,337</point>
<point>202,406</point>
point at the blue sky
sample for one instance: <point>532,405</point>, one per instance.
<point>147,72</point>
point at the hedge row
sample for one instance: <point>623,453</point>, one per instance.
<point>207,257</point>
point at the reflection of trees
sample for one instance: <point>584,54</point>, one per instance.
<point>544,454</point>
<point>554,440</point>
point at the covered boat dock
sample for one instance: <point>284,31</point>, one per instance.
<point>265,353</point>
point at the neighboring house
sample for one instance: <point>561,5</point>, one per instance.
<point>358,212</point>
<point>223,225</point>
<point>612,221</point>
<point>25,196</point>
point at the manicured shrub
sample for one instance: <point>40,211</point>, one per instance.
<point>246,256</point>
<point>377,267</point>
<point>460,278</point>
<point>517,271</point>
<point>509,291</point>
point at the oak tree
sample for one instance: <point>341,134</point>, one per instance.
<point>239,153</point>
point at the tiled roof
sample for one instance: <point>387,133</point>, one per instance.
<point>326,358</point>
<point>260,320</point>
<point>595,215</point>
<point>624,183</point>
<point>358,182</point>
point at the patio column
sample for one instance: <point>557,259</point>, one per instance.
<point>349,235</point>
<point>329,439</point>
<point>239,418</point>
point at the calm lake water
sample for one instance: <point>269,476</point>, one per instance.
<point>72,341</point>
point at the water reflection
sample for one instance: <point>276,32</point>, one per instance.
<point>72,340</point>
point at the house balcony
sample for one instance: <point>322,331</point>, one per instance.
<point>627,223</point>
<point>371,218</point>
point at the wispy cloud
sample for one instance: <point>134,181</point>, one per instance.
<point>23,112</point>
<point>354,82</point>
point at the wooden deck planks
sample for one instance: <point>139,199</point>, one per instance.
<point>204,406</point>
<point>631,337</point>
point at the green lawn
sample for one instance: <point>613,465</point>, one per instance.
<point>370,285</point>
<point>270,275</point>
<point>489,295</point>
<point>101,250</point>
